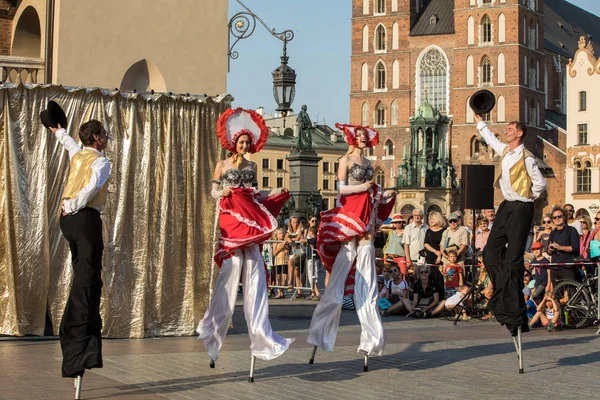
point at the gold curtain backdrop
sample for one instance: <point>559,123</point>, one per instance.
<point>158,220</point>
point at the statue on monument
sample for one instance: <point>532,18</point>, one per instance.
<point>305,130</point>
<point>314,205</point>
<point>284,214</point>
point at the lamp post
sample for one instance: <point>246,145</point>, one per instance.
<point>242,26</point>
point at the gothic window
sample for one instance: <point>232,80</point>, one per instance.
<point>364,77</point>
<point>486,71</point>
<point>365,38</point>
<point>501,69</point>
<point>501,109</point>
<point>380,75</point>
<point>526,119</point>
<point>470,30</point>
<point>380,6</point>
<point>380,177</point>
<point>470,113</point>
<point>433,73</point>
<point>365,114</point>
<point>584,183</point>
<point>582,133</point>
<point>380,114</point>
<point>395,30</point>
<point>366,7</point>
<point>532,77</point>
<point>394,5</point>
<point>486,30</point>
<point>389,148</point>
<point>394,116</point>
<point>396,74</point>
<point>369,151</point>
<point>501,28</point>
<point>380,38</point>
<point>470,70</point>
<point>533,114</point>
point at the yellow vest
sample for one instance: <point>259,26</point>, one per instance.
<point>519,178</point>
<point>80,173</point>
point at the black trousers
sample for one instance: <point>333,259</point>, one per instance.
<point>81,325</point>
<point>503,258</point>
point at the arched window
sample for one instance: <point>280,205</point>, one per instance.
<point>486,30</point>
<point>475,147</point>
<point>470,31</point>
<point>469,112</point>
<point>394,116</point>
<point>407,211</point>
<point>501,70</point>
<point>537,35</point>
<point>380,114</point>
<point>365,114</point>
<point>380,38</point>
<point>501,28</point>
<point>526,119</point>
<point>396,74</point>
<point>532,113</point>
<point>432,70</point>
<point>434,207</point>
<point>380,6</point>
<point>486,71</point>
<point>27,39</point>
<point>365,38</point>
<point>369,152</point>
<point>532,77</point>
<point>525,31</point>
<point>380,177</point>
<point>531,34</point>
<point>389,148</point>
<point>470,80</point>
<point>395,33</point>
<point>584,182</point>
<point>501,109</point>
<point>525,67</point>
<point>380,76</point>
<point>364,77</point>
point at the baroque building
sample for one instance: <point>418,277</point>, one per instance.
<point>416,57</point>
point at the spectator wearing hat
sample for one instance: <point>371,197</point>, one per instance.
<point>394,247</point>
<point>540,272</point>
<point>414,237</point>
<point>455,237</point>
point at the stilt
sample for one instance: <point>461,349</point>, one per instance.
<point>520,351</point>
<point>212,363</point>
<point>312,358</point>
<point>366,366</point>
<point>78,387</point>
<point>251,378</point>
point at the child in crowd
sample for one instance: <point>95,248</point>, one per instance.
<point>398,291</point>
<point>548,313</point>
<point>451,302</point>
<point>280,253</point>
<point>540,272</point>
<point>314,262</point>
<point>452,273</point>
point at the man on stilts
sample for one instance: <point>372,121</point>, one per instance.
<point>82,200</point>
<point>521,183</point>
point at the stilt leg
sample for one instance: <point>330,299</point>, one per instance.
<point>212,363</point>
<point>366,366</point>
<point>520,351</point>
<point>78,381</point>
<point>251,378</point>
<point>516,346</point>
<point>312,358</point>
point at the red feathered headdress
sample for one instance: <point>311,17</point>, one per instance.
<point>235,122</point>
<point>350,132</point>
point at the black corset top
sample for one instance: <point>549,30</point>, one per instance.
<point>358,174</point>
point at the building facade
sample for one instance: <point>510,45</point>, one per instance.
<point>442,51</point>
<point>583,137</point>
<point>115,44</point>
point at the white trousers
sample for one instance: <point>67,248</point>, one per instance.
<point>326,318</point>
<point>265,344</point>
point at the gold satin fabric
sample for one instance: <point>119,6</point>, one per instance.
<point>158,222</point>
<point>519,178</point>
<point>77,181</point>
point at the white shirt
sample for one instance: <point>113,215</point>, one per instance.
<point>414,237</point>
<point>577,225</point>
<point>100,174</point>
<point>509,160</point>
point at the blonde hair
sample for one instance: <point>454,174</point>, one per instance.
<point>438,218</point>
<point>290,230</point>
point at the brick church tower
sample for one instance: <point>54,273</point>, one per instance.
<point>405,52</point>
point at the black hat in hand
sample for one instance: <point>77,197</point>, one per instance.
<point>53,115</point>
<point>482,102</point>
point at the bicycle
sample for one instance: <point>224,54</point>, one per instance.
<point>578,300</point>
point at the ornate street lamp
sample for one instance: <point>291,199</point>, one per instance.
<point>242,26</point>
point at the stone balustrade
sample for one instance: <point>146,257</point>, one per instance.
<point>22,69</point>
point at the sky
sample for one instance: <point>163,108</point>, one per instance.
<point>319,52</point>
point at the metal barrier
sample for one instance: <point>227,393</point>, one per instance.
<point>297,259</point>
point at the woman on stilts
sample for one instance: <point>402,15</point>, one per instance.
<point>345,244</point>
<point>247,219</point>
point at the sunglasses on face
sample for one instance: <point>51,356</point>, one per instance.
<point>395,270</point>
<point>452,221</point>
<point>547,222</point>
<point>596,219</point>
<point>526,275</point>
<point>569,210</point>
<point>423,272</point>
<point>557,216</point>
